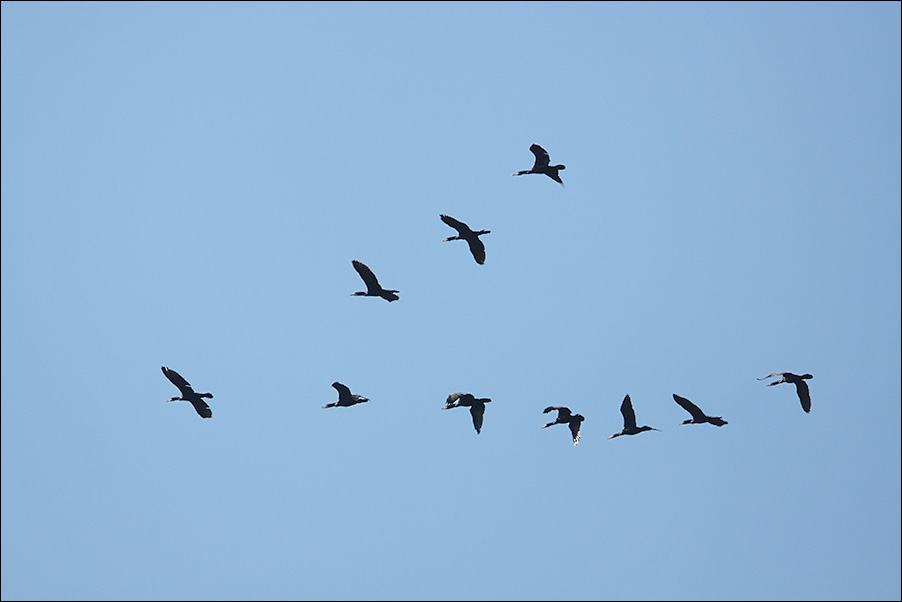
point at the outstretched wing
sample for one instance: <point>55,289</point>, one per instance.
<point>201,407</point>
<point>182,384</point>
<point>689,407</point>
<point>461,227</point>
<point>477,410</point>
<point>562,411</point>
<point>629,416</point>
<point>477,249</point>
<point>555,175</point>
<point>344,393</point>
<point>804,395</point>
<point>771,375</point>
<point>367,274</point>
<point>542,158</point>
<point>456,399</point>
<point>574,430</point>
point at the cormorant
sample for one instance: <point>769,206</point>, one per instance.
<point>476,405</point>
<point>629,420</point>
<point>188,393</point>
<point>472,237</point>
<point>798,381</point>
<point>345,398</point>
<point>373,288</point>
<point>574,421</point>
<point>698,417</point>
<point>542,165</point>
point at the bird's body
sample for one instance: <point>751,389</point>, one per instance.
<point>476,405</point>
<point>345,398</point>
<point>698,417</point>
<point>373,288</point>
<point>629,420</point>
<point>574,421</point>
<point>798,381</point>
<point>465,233</point>
<point>188,393</point>
<point>542,165</point>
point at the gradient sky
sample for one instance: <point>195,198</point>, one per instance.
<point>186,184</point>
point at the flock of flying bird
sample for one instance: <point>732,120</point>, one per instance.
<point>542,165</point>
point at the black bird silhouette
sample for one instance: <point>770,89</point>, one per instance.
<point>698,417</point>
<point>188,393</point>
<point>565,417</point>
<point>472,237</point>
<point>542,165</point>
<point>373,288</point>
<point>798,381</point>
<point>629,420</point>
<point>476,405</point>
<point>345,398</point>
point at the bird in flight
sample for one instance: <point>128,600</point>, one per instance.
<point>476,405</point>
<point>373,288</point>
<point>465,233</point>
<point>345,398</point>
<point>698,417</point>
<point>629,420</point>
<point>798,381</point>
<point>188,393</point>
<point>574,421</point>
<point>542,165</point>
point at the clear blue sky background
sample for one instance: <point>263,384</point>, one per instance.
<point>187,184</point>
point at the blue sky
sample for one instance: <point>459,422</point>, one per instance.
<point>187,184</point>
